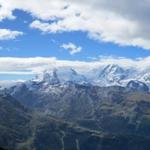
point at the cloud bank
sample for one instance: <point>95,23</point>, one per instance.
<point>36,65</point>
<point>123,22</point>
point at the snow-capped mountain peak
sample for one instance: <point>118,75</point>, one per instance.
<point>113,68</point>
<point>111,74</point>
<point>62,75</point>
<point>112,71</point>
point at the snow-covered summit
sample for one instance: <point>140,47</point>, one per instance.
<point>62,75</point>
<point>106,75</point>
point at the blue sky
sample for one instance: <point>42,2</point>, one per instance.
<point>34,43</point>
<point>126,38</point>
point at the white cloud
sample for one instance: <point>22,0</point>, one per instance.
<point>103,20</point>
<point>36,65</point>
<point>6,34</point>
<point>72,48</point>
<point>123,22</point>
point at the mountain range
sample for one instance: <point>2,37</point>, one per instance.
<point>106,75</point>
<point>107,108</point>
<point>103,75</point>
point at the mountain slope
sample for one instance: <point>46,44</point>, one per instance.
<point>14,119</point>
<point>23,130</point>
<point>52,134</point>
<point>110,109</point>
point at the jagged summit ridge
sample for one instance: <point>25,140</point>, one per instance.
<point>103,76</point>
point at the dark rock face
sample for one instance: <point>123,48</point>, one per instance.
<point>137,86</point>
